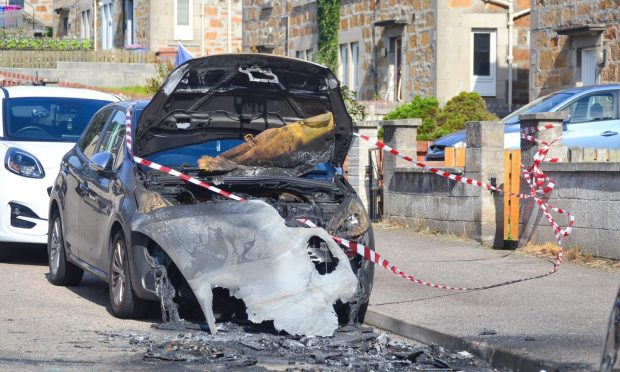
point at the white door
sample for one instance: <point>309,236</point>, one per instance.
<point>588,66</point>
<point>483,62</point>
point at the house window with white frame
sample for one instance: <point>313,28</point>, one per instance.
<point>85,24</point>
<point>183,25</point>
<point>306,54</point>
<point>483,62</point>
<point>348,69</point>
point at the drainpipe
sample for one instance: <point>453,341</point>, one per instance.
<point>229,26</point>
<point>510,56</point>
<point>95,25</point>
<point>202,28</point>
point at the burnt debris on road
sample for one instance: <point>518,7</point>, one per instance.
<point>243,344</point>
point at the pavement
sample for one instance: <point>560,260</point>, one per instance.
<point>555,323</point>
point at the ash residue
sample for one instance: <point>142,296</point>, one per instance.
<point>259,348</point>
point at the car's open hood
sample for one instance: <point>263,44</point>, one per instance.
<point>242,95</point>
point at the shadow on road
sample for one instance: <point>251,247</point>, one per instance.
<point>28,254</point>
<point>96,291</point>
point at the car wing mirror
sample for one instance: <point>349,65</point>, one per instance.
<point>565,122</point>
<point>101,162</point>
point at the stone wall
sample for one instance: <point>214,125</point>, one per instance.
<point>591,192</point>
<point>107,74</point>
<point>555,58</point>
<point>290,28</point>
<point>44,11</point>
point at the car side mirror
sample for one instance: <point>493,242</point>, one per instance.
<point>101,162</point>
<point>565,122</point>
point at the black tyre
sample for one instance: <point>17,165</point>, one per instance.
<point>5,252</point>
<point>62,272</point>
<point>125,304</point>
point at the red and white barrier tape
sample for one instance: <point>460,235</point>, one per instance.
<point>369,254</point>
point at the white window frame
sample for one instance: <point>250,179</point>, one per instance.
<point>486,86</point>
<point>85,24</point>
<point>352,68</point>
<point>184,32</point>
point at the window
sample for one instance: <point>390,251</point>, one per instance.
<point>395,69</point>
<point>307,54</point>
<point>85,24</point>
<point>594,107</point>
<point>483,59</point>
<point>113,138</point>
<point>129,23</point>
<point>50,119</point>
<point>90,138</point>
<point>348,68</point>
<point>183,13</point>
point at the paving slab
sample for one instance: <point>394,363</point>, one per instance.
<point>555,322</point>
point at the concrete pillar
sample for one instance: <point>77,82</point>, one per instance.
<point>485,163</point>
<point>529,211</point>
<point>398,134</point>
<point>538,121</point>
<point>358,159</point>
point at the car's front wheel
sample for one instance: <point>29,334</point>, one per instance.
<point>62,272</point>
<point>125,303</point>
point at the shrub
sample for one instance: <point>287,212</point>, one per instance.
<point>461,109</point>
<point>355,109</point>
<point>162,70</point>
<point>24,42</point>
<point>437,122</point>
<point>422,108</point>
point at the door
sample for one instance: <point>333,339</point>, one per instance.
<point>107,32</point>
<point>593,121</point>
<point>588,66</point>
<point>100,190</point>
<point>483,59</point>
<point>74,169</point>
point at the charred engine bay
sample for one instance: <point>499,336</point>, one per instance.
<point>245,346</point>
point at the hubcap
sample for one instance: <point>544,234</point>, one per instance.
<point>55,246</point>
<point>118,273</point>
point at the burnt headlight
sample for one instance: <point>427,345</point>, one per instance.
<point>351,220</point>
<point>23,163</point>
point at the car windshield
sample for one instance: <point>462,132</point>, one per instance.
<point>542,104</point>
<point>50,119</point>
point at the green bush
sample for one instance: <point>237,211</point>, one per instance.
<point>24,42</point>
<point>437,122</point>
<point>461,109</point>
<point>162,70</point>
<point>422,108</point>
<point>355,109</point>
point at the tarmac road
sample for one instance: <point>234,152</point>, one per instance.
<point>45,327</point>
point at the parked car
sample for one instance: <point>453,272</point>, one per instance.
<point>38,126</point>
<point>593,120</point>
<point>272,130</point>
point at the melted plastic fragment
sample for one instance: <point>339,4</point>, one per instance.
<point>248,249</point>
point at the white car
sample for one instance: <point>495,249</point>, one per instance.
<point>38,125</point>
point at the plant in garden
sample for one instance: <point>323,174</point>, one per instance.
<point>355,109</point>
<point>25,42</point>
<point>162,70</point>
<point>422,108</point>
<point>328,18</point>
<point>460,109</point>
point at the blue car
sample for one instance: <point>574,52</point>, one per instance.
<point>593,120</point>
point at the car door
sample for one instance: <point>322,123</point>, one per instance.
<point>593,121</point>
<point>73,169</point>
<point>96,209</point>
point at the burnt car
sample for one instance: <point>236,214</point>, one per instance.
<point>272,131</point>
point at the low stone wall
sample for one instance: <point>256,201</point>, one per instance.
<point>429,201</point>
<point>98,74</point>
<point>591,192</point>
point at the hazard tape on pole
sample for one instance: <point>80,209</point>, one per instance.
<point>370,254</point>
